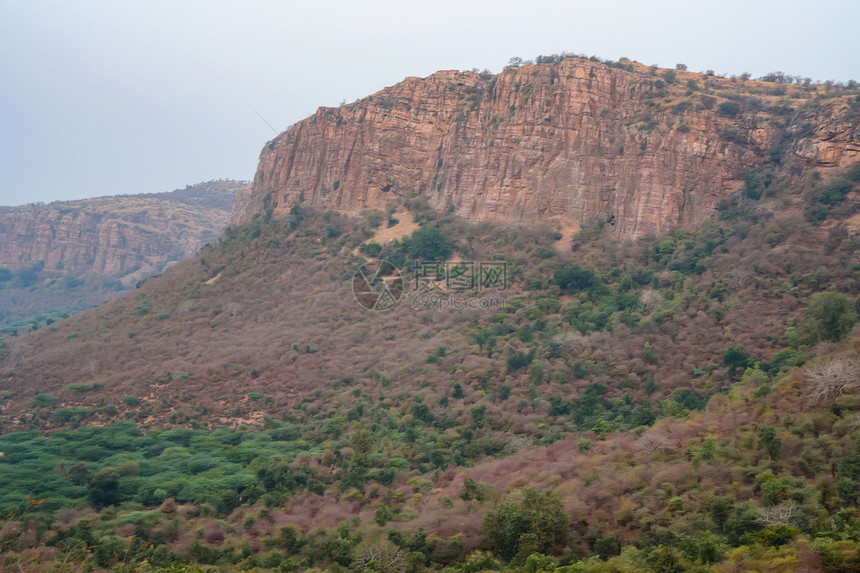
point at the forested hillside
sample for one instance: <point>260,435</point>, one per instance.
<point>678,402</point>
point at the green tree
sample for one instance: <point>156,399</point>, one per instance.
<point>359,462</point>
<point>848,480</point>
<point>78,474</point>
<point>429,244</point>
<point>736,357</point>
<point>830,316</point>
<point>104,488</point>
<point>537,513</point>
<point>484,337</point>
<point>473,491</point>
<point>574,278</point>
<point>769,441</point>
<point>606,547</point>
<point>704,548</point>
<point>382,515</point>
<point>721,511</point>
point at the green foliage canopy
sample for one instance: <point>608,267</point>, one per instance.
<point>830,316</point>
<point>537,514</point>
<point>429,244</point>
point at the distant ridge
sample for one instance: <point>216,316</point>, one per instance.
<point>69,255</point>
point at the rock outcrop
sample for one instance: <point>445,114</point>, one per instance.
<point>640,149</point>
<point>113,236</point>
<point>68,256</point>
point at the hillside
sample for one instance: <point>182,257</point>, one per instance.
<point>642,149</point>
<point>314,424</point>
<point>66,256</point>
<point>556,396</point>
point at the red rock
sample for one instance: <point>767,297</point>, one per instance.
<point>577,139</point>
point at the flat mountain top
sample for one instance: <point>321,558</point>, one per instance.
<point>641,149</point>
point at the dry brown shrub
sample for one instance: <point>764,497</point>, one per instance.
<point>213,535</point>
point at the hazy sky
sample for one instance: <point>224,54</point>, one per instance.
<point>114,97</point>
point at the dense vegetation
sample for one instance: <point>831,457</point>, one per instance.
<point>640,405</point>
<point>686,402</point>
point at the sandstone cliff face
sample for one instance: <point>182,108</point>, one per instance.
<point>113,236</point>
<point>573,140</point>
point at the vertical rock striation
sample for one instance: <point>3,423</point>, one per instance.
<point>575,140</point>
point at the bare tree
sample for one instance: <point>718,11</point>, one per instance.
<point>442,414</point>
<point>738,276</point>
<point>519,444</point>
<point>570,341</point>
<point>91,367</point>
<point>766,211</point>
<point>652,441</point>
<point>853,421</point>
<point>782,514</point>
<point>829,379</point>
<point>19,351</point>
<point>384,557</point>
<point>652,300</point>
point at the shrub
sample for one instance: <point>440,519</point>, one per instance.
<point>729,108</point>
<point>40,400</point>
<point>708,101</point>
<point>815,213</point>
<point>64,415</point>
<point>834,192</point>
<point>371,249</point>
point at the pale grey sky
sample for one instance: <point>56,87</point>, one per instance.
<point>106,97</point>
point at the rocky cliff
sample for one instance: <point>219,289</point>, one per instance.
<point>112,236</point>
<point>69,255</point>
<point>641,149</point>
